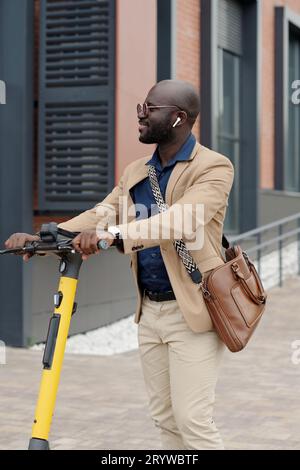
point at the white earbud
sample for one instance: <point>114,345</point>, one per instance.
<point>176,122</point>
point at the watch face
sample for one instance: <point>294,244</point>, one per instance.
<point>103,244</point>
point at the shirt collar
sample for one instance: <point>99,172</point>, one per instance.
<point>183,154</point>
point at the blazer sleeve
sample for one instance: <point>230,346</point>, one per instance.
<point>210,192</point>
<point>100,216</point>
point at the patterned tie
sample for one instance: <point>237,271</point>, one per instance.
<point>179,245</point>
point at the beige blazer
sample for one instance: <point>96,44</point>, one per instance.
<point>205,178</point>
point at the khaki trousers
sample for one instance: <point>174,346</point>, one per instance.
<point>180,369</point>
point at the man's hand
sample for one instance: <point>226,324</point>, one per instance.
<point>86,242</point>
<point>18,240</point>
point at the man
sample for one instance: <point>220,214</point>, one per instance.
<point>180,352</point>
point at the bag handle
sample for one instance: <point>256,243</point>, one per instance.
<point>258,299</point>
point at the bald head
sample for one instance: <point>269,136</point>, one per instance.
<point>180,93</point>
<point>169,113</point>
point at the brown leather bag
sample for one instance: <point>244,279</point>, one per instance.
<point>235,298</point>
<point>233,292</point>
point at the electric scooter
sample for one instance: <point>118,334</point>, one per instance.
<point>54,240</point>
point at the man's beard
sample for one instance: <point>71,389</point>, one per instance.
<point>157,134</point>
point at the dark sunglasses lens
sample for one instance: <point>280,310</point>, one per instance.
<point>142,109</point>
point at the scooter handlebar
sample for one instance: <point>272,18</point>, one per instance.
<point>41,248</point>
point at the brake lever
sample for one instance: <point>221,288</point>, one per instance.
<point>52,240</point>
<point>13,251</point>
<point>41,249</point>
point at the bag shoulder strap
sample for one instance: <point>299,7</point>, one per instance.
<point>225,242</point>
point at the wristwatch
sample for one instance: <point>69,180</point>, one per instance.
<point>103,244</point>
<point>118,241</point>
<point>115,231</point>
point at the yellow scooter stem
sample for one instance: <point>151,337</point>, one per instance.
<point>55,349</point>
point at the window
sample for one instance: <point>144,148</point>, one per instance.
<point>229,70</point>
<point>229,124</point>
<point>230,98</point>
<point>292,162</point>
<point>76,103</point>
<point>287,113</point>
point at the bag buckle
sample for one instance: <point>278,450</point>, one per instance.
<point>236,271</point>
<point>205,292</point>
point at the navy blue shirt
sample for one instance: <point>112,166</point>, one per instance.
<point>152,273</point>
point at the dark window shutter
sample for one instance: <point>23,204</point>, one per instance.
<point>76,103</point>
<point>230,17</point>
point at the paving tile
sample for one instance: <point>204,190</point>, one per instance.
<point>102,402</point>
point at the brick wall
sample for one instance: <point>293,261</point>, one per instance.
<point>135,75</point>
<point>188,68</point>
<point>267,135</point>
<point>188,45</point>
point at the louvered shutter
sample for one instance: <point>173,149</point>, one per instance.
<point>76,103</point>
<point>230,17</point>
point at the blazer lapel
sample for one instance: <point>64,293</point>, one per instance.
<point>140,174</point>
<point>177,172</point>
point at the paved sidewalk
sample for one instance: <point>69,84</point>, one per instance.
<point>102,402</point>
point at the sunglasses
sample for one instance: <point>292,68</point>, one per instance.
<point>143,109</point>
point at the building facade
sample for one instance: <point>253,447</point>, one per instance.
<point>74,72</point>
